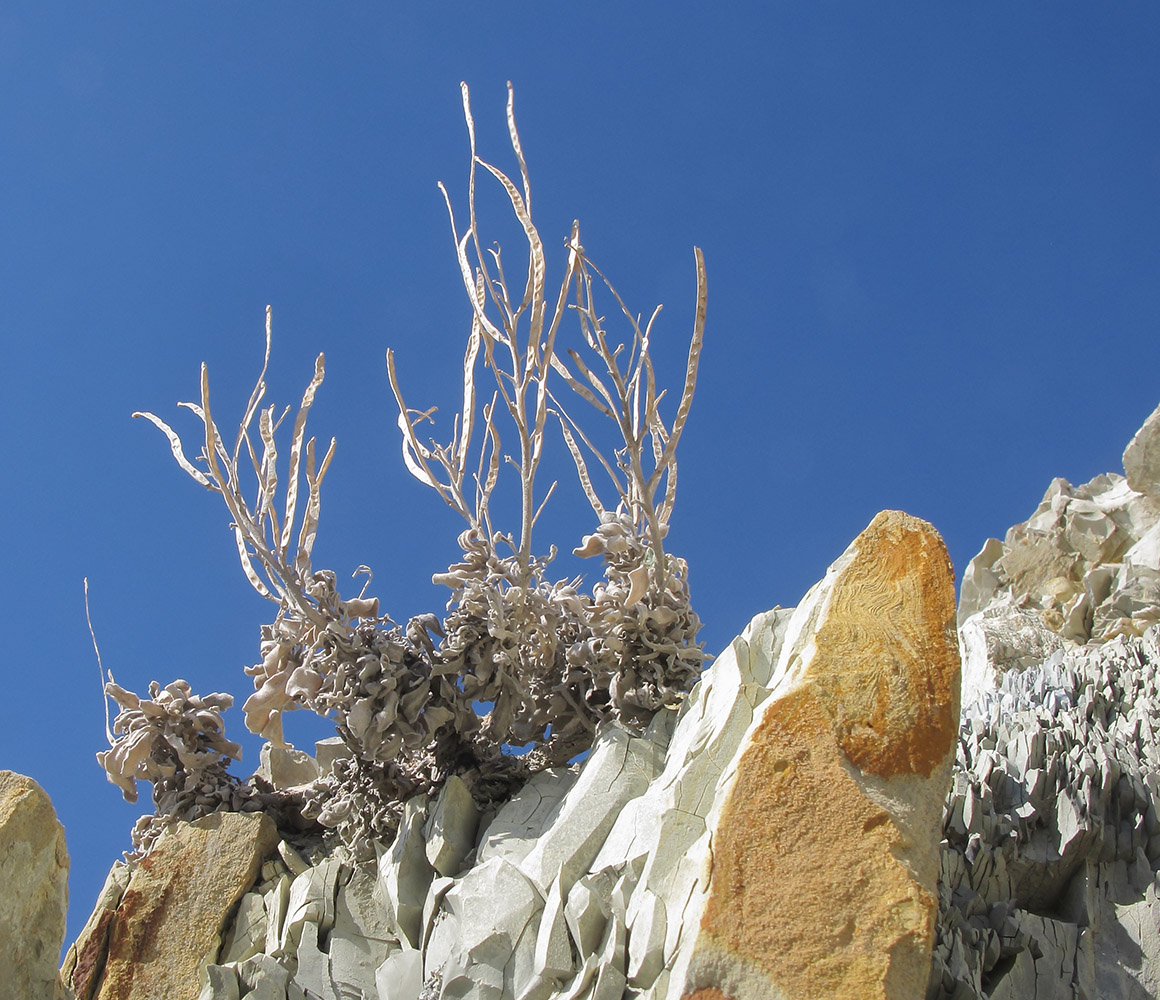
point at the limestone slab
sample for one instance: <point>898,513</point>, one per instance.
<point>618,769</point>
<point>1142,457</point>
<point>405,874</point>
<point>451,828</point>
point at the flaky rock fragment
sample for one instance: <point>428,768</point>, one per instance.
<point>33,889</point>
<point>821,879</point>
<point>85,958</point>
<point>175,908</point>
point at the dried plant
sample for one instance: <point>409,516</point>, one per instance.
<point>549,661</point>
<point>176,740</point>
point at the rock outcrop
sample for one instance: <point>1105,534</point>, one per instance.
<point>818,819</point>
<point>1051,841</point>
<point>834,800</point>
<point>34,883</point>
<point>776,836</point>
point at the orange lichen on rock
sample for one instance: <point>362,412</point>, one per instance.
<point>813,890</point>
<point>177,902</point>
<point>888,655</point>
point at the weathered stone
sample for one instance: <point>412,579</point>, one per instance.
<point>246,935</point>
<point>312,901</point>
<point>263,978</point>
<point>479,922</point>
<point>220,984</point>
<point>362,935</point>
<point>85,959</point>
<point>405,874</point>
<point>176,905</point>
<point>618,769</point>
<point>285,767</point>
<point>835,800</point>
<point>327,751</point>
<point>519,823</point>
<point>1142,457</point>
<point>400,977</point>
<point>34,876</point>
<point>451,828</point>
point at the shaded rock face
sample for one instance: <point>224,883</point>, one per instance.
<point>825,860</point>
<point>33,888</point>
<point>173,910</point>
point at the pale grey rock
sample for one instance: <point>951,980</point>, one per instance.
<point>514,830</point>
<point>980,581</point>
<point>247,934</point>
<point>1069,565</point>
<point>479,922</point>
<point>219,983</point>
<point>451,828</point>
<point>294,862</point>
<point>553,953</point>
<point>34,876</point>
<point>648,925</point>
<point>618,769</point>
<point>285,767</point>
<point>312,901</point>
<point>1142,457</point>
<point>263,978</point>
<point>400,977</point>
<point>435,893</point>
<point>520,976</point>
<point>313,971</point>
<point>362,936</point>
<point>1048,883</point>
<point>586,913</point>
<point>276,901</point>
<point>404,874</point>
<point>327,751</point>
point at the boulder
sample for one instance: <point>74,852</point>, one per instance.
<point>823,869</point>
<point>173,913</point>
<point>34,877</point>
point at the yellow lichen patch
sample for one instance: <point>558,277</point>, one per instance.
<point>887,666</point>
<point>810,886</point>
<point>805,886</point>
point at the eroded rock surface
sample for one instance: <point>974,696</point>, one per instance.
<point>174,910</point>
<point>1051,846</point>
<point>33,889</point>
<point>824,862</point>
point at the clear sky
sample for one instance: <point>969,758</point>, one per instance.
<point>931,234</point>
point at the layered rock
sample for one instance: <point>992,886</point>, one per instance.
<point>34,884</point>
<point>1048,883</point>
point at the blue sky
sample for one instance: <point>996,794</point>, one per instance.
<point>930,233</point>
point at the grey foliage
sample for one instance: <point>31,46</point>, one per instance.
<point>548,660</point>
